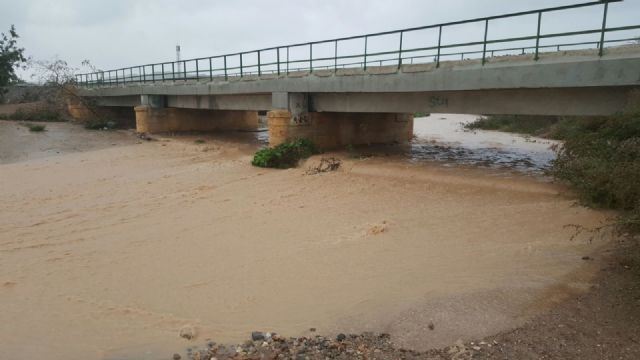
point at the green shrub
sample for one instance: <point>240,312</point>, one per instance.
<point>600,159</point>
<point>100,124</point>
<point>35,127</point>
<point>285,155</point>
<point>522,124</point>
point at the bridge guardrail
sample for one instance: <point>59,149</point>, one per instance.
<point>204,68</point>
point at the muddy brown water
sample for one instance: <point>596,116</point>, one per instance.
<point>107,252</point>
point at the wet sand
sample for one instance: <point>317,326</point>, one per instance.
<point>108,253</point>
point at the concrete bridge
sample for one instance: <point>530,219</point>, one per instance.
<point>340,99</point>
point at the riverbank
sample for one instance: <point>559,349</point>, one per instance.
<point>110,252</point>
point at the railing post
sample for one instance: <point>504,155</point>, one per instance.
<point>439,43</point>
<point>162,68</point>
<point>335,56</point>
<point>241,65</point>
<point>226,77</point>
<point>604,28</point>
<point>366,40</point>
<point>210,69</point>
<point>116,77</point>
<point>400,51</point>
<point>537,56</point>
<point>259,65</point>
<point>484,45</point>
<point>130,75</point>
<point>287,60</point>
<point>310,57</point>
<point>184,69</point>
<point>173,71</point>
<point>278,59</point>
<point>153,73</point>
<point>197,70</point>
<point>144,75</point>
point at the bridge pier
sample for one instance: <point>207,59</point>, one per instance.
<point>153,117</point>
<point>337,129</point>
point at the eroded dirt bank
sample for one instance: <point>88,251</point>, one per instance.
<point>109,253</point>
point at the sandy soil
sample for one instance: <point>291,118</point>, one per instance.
<point>108,253</point>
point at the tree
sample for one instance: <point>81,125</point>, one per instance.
<point>11,57</point>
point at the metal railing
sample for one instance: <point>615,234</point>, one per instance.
<point>205,69</point>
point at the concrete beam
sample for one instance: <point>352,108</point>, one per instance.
<point>255,102</point>
<point>128,100</point>
<point>570,101</point>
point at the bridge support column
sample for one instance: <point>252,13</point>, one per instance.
<point>337,129</point>
<point>153,117</point>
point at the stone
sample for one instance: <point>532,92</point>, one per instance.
<point>177,356</point>
<point>188,332</point>
<point>257,336</point>
<point>341,337</point>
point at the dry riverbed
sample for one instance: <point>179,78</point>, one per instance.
<point>111,246</point>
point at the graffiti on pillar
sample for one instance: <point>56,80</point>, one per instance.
<point>301,119</point>
<point>437,101</point>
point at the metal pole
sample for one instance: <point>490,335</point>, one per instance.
<point>278,58</point>
<point>538,37</point>
<point>162,67</point>
<point>439,43</point>
<point>484,45</point>
<point>604,28</point>
<point>240,64</point>
<point>184,69</point>
<point>287,60</point>
<point>153,73</point>
<point>400,51</point>
<point>259,70</point>
<point>210,70</point>
<point>366,39</point>
<point>130,75</point>
<point>310,57</point>
<point>197,70</point>
<point>144,75</point>
<point>335,57</point>
<point>225,68</point>
<point>173,71</point>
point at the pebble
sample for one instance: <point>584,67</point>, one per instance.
<point>341,337</point>
<point>176,357</point>
<point>257,336</point>
<point>188,332</point>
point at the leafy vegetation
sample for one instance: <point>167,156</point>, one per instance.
<point>36,127</point>
<point>100,124</point>
<point>285,155</point>
<point>47,115</point>
<point>600,157</point>
<point>11,57</point>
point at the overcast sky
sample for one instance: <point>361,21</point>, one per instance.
<point>119,33</point>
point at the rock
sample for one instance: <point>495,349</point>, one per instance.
<point>188,332</point>
<point>476,348</point>
<point>312,329</point>
<point>431,326</point>
<point>341,337</point>
<point>257,336</point>
<point>177,356</point>
<point>586,258</point>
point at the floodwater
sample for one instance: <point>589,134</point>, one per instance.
<point>107,252</point>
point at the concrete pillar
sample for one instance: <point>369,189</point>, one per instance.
<point>150,119</point>
<point>332,129</point>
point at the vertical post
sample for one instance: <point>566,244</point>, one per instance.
<point>153,73</point>
<point>116,77</point>
<point>484,45</point>
<point>439,43</point>
<point>310,57</point>
<point>366,39</point>
<point>335,56</point>
<point>259,70</point>
<point>604,28</point>
<point>537,56</point>
<point>173,71</point>
<point>144,75</point>
<point>197,70</point>
<point>184,69</point>
<point>278,59</point>
<point>240,64</point>
<point>400,51</point>
<point>226,77</point>
<point>210,70</point>
<point>287,60</point>
<point>162,68</point>
<point>130,75</point>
